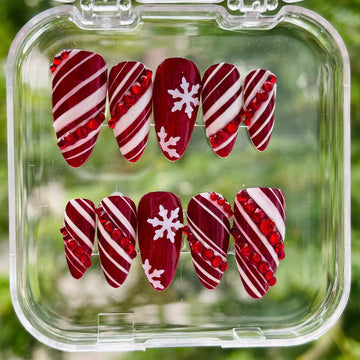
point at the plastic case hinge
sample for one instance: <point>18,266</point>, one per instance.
<point>98,10</point>
<point>255,6</point>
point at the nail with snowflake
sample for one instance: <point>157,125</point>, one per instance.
<point>160,223</point>
<point>221,105</point>
<point>208,231</point>
<point>259,106</point>
<point>259,233</point>
<point>116,231</point>
<point>130,101</point>
<point>176,101</point>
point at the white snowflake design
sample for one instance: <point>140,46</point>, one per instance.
<point>154,274</point>
<point>187,97</point>
<point>166,223</point>
<point>165,145</point>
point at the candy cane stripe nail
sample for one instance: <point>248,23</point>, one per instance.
<point>79,87</point>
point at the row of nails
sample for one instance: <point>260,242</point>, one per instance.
<point>80,86</point>
<point>258,230</point>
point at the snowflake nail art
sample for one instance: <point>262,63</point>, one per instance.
<point>176,101</point>
<point>160,223</point>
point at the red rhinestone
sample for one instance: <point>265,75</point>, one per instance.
<point>61,143</point>
<point>186,231</point>
<point>269,274</point>
<point>279,247</point>
<point>130,248</point>
<point>262,96</point>
<point>129,98</point>
<point>148,73</point>
<point>250,206</point>
<point>242,196</point>
<point>100,117</point>
<point>214,196</point>
<point>69,140</point>
<point>57,60</point>
<point>216,261</point>
<point>221,136</point>
<point>254,104</point>
<point>227,208</point>
<point>108,226</point>
<point>52,68</point>
<point>258,215</point>
<point>230,214</point>
<point>112,123</point>
<point>84,257</point>
<point>124,242</point>
<point>268,86</point>
<point>267,226</point>
<point>72,245</point>
<point>232,127</point>
<point>121,108</point>
<point>248,116</point>
<point>272,281</point>
<point>272,78</point>
<point>245,249</point>
<point>116,234</point>
<point>254,258</point>
<point>223,267</point>
<point>82,132</point>
<point>136,89</point>
<point>102,217</point>
<point>274,238</point>
<point>221,201</point>
<point>263,267</point>
<point>197,247</point>
<point>281,255</point>
<point>191,238</point>
<point>145,82</point>
<point>63,230</point>
<point>64,55</point>
<point>92,124</point>
<point>133,254</point>
<point>235,232</point>
<point>78,252</point>
<point>214,141</point>
<point>87,264</point>
<point>207,254</point>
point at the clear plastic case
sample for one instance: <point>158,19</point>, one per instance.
<point>308,158</point>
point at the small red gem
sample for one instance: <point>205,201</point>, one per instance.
<point>145,82</point>
<point>254,258</point>
<point>221,136</point>
<point>207,254</point>
<point>262,96</point>
<point>112,123</point>
<point>250,206</point>
<point>136,89</point>
<point>82,132</point>
<point>186,231</point>
<point>247,120</point>
<point>246,249</point>
<point>116,234</point>
<point>258,215</point>
<point>263,267</point>
<point>223,267</point>
<point>214,196</point>
<point>272,78</point>
<point>148,73</point>
<point>191,238</point>
<point>267,226</point>
<point>87,264</point>
<point>133,254</point>
<point>221,201</point>
<point>63,230</point>
<point>52,68</point>
<point>254,104</point>
<point>57,60</point>
<point>235,232</point>
<point>129,98</point>
<point>197,247</point>
<point>124,242</point>
<point>92,124</point>
<point>216,261</point>
<point>100,117</point>
<point>130,248</point>
<point>281,255</point>
<point>268,86</point>
<point>78,252</point>
<point>102,217</point>
<point>230,214</point>
<point>242,196</point>
<point>121,108</point>
<point>69,140</point>
<point>71,244</point>
<point>64,55</point>
<point>108,226</point>
<point>269,274</point>
<point>227,208</point>
<point>84,257</point>
<point>272,281</point>
<point>61,143</point>
<point>279,247</point>
<point>232,127</point>
<point>274,238</point>
<point>214,141</point>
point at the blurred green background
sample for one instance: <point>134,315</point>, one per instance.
<point>341,342</point>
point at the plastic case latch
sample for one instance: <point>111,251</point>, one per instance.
<point>255,6</point>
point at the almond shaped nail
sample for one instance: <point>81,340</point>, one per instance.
<point>79,87</point>
<point>78,233</point>
<point>117,223</point>
<point>177,88</point>
<point>160,219</point>
<point>208,230</point>
<point>259,106</point>
<point>130,98</point>
<point>259,232</point>
<point>221,104</point>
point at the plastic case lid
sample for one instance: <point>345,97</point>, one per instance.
<point>308,158</point>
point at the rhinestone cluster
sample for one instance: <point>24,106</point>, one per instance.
<point>57,60</point>
<point>220,200</point>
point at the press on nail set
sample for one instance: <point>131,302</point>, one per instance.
<point>198,174</point>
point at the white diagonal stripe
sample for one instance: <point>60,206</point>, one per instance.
<point>78,232</point>
<point>103,251</point>
<point>205,272</point>
<point>82,212</point>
